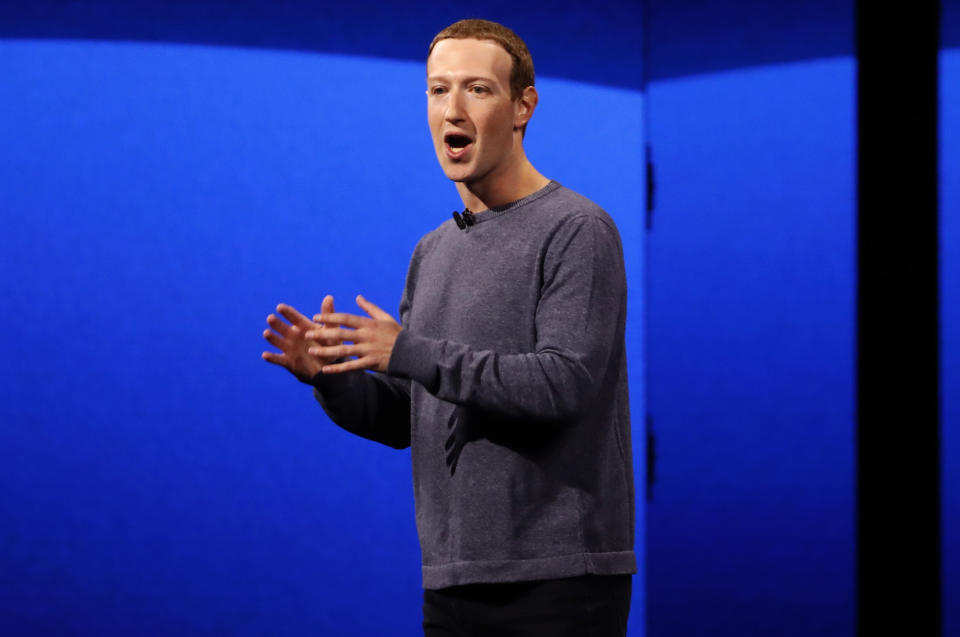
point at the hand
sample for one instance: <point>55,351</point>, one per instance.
<point>293,343</point>
<point>372,339</point>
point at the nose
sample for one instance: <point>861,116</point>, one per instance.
<point>455,111</point>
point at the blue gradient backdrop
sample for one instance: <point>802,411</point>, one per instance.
<point>173,170</point>
<point>751,352</point>
<point>158,478</point>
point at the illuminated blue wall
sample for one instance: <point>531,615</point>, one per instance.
<point>751,352</point>
<point>157,477</point>
<point>159,199</point>
<point>751,319</point>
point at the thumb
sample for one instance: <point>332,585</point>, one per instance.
<point>372,309</point>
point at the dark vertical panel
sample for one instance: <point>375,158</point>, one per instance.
<point>898,404</point>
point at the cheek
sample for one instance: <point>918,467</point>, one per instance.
<point>434,131</point>
<point>494,123</point>
<point>499,128</point>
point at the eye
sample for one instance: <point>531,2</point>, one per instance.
<point>479,89</point>
<point>436,90</point>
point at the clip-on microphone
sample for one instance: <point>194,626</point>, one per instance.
<point>467,219</point>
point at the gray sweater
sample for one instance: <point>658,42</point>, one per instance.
<point>509,382</point>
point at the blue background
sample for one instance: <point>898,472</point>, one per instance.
<point>171,171</point>
<point>751,319</point>
<point>159,199</point>
<point>752,352</point>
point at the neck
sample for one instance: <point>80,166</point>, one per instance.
<point>515,181</point>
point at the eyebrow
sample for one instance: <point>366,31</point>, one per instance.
<point>470,78</point>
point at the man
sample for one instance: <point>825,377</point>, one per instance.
<point>506,375</point>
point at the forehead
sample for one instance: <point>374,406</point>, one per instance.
<point>469,57</point>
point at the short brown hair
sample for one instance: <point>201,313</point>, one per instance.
<point>521,73</point>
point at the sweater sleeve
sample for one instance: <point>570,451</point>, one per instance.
<point>370,405</point>
<point>580,318</point>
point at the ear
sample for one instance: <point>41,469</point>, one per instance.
<point>525,105</point>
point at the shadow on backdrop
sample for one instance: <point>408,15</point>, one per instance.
<point>686,37</point>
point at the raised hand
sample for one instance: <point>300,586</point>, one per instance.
<point>294,344</point>
<point>372,338</point>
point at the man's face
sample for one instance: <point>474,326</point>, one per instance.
<point>469,108</point>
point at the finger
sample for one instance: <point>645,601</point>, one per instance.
<point>331,335</point>
<point>372,309</point>
<point>274,339</point>
<point>347,366</point>
<point>279,326</point>
<point>336,351</point>
<point>326,306</point>
<point>292,315</point>
<point>341,318</point>
<point>316,320</point>
<point>275,358</point>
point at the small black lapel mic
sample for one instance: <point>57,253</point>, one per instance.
<point>465,219</point>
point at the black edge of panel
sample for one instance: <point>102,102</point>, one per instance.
<point>898,420</point>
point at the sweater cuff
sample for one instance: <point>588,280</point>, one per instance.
<point>415,357</point>
<point>327,388</point>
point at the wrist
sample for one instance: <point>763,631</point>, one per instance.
<point>315,377</point>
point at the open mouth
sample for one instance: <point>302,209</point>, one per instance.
<point>456,143</point>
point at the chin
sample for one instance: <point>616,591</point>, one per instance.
<point>457,174</point>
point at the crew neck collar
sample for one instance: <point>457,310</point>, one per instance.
<point>499,211</point>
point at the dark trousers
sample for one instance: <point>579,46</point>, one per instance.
<point>587,606</point>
